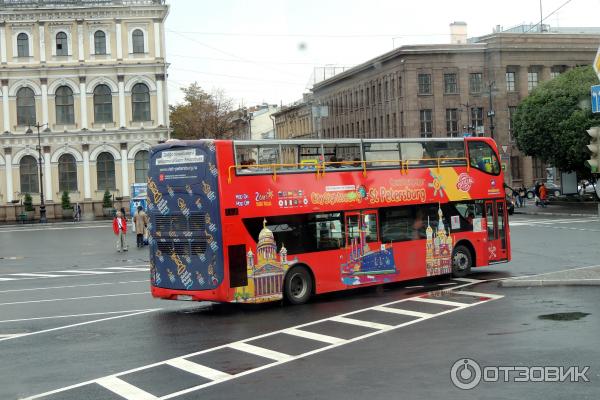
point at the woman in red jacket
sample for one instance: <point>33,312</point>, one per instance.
<point>543,195</point>
<point>120,229</point>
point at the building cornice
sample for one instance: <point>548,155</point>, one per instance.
<point>83,13</point>
<point>80,67</point>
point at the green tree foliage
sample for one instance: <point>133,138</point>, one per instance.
<point>550,123</point>
<point>28,202</point>
<point>66,201</point>
<point>107,200</point>
<point>202,115</point>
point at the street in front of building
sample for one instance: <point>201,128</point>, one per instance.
<point>78,317</point>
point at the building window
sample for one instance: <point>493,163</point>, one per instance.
<point>424,83</point>
<point>452,122</point>
<point>25,106</point>
<point>394,126</point>
<point>477,119</point>
<point>510,81</point>
<point>103,104</point>
<point>393,88</point>
<point>62,47</point>
<point>140,100</point>
<point>450,84</point>
<point>142,163</point>
<point>386,91</point>
<point>532,80</point>
<point>426,123</point>
<point>105,171</point>
<point>367,98</point>
<point>515,167</point>
<point>67,173</point>
<point>475,82</point>
<point>64,105</point>
<point>137,41</point>
<point>28,172</point>
<point>539,169</point>
<point>511,126</point>
<point>99,42</point>
<point>22,45</point>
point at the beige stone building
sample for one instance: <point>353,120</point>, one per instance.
<point>91,74</point>
<point>444,90</point>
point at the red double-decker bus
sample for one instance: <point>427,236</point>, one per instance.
<point>256,221</point>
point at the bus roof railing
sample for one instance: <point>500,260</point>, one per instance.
<point>341,141</point>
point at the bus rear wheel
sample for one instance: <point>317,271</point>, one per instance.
<point>462,261</point>
<point>298,285</point>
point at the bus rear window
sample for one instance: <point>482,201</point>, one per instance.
<point>483,157</point>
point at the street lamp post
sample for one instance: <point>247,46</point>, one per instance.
<point>39,148</point>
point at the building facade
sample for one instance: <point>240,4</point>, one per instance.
<point>91,76</point>
<point>468,87</point>
<point>295,121</point>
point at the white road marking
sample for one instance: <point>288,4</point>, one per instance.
<point>197,369</point>
<point>260,351</point>
<point>468,280</point>
<point>435,301</point>
<point>414,287</point>
<point>286,359</point>
<point>83,271</point>
<point>124,389</point>
<point>71,286</point>
<point>8,279</point>
<point>11,335</point>
<point>314,336</point>
<point>36,275</point>
<point>73,298</point>
<point>80,324</point>
<point>73,273</point>
<point>72,316</point>
<point>359,322</point>
<point>447,284</point>
<point>411,313</point>
<point>130,268</point>
<point>21,230</point>
<point>477,294</point>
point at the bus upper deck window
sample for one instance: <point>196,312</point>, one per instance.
<point>483,157</point>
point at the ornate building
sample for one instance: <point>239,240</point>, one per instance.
<point>91,75</point>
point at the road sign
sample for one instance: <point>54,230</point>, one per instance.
<point>504,148</point>
<point>594,146</point>
<point>597,63</point>
<point>596,99</point>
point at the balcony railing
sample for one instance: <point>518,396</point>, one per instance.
<point>75,3</point>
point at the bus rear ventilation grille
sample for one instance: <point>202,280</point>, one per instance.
<point>182,248</point>
<point>178,222</point>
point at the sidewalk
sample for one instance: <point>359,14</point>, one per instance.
<point>561,208</point>
<point>584,276</point>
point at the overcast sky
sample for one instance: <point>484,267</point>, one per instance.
<point>267,50</point>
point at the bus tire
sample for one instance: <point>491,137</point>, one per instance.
<point>462,261</point>
<point>298,285</point>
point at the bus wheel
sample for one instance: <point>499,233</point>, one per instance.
<point>462,260</point>
<point>298,285</point>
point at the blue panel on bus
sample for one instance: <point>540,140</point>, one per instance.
<point>185,223</point>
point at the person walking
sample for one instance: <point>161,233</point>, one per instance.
<point>522,195</point>
<point>77,212</point>
<point>140,220</point>
<point>543,195</point>
<point>120,229</point>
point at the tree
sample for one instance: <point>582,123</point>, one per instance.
<point>202,115</point>
<point>66,201</point>
<point>550,123</point>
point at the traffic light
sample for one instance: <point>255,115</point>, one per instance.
<point>594,146</point>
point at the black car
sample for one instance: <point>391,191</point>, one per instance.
<point>553,190</point>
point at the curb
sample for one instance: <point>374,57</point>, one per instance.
<point>548,282</point>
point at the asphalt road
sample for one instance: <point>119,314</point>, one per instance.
<point>74,313</point>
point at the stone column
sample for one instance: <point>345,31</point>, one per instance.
<point>48,192</point>
<point>44,82</point>
<point>160,103</point>
<point>124,170</point>
<point>5,108</point>
<point>80,52</point>
<point>82,103</point>
<point>42,43</point>
<point>157,38</point>
<point>122,113</point>
<point>87,188</point>
<point>3,42</point>
<point>119,39</point>
<point>8,171</point>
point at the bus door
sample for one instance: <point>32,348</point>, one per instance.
<point>361,231</point>
<point>496,221</point>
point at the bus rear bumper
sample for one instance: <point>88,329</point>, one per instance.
<point>186,295</point>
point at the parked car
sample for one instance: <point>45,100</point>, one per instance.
<point>586,188</point>
<point>553,190</point>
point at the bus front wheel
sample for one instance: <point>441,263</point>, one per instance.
<point>462,260</point>
<point>298,285</point>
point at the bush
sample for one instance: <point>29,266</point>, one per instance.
<point>107,200</point>
<point>66,201</point>
<point>28,202</point>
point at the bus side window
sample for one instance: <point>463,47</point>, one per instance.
<point>482,157</point>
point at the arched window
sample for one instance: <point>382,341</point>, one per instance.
<point>28,171</point>
<point>140,101</point>
<point>22,45</point>
<point>137,41</point>
<point>65,113</point>
<point>103,104</point>
<point>100,42</point>
<point>62,46</point>
<point>25,106</point>
<point>105,171</point>
<point>67,173</point>
<point>141,166</point>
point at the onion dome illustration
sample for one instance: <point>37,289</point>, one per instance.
<point>266,246</point>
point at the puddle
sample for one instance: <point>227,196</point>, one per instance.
<point>568,316</point>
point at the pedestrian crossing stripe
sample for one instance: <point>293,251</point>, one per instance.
<point>71,273</point>
<point>127,391</point>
